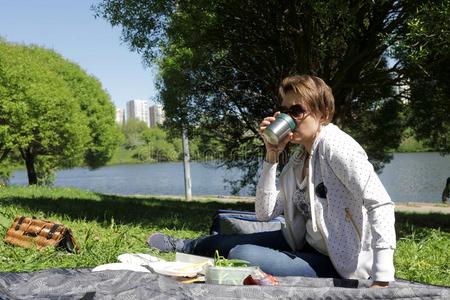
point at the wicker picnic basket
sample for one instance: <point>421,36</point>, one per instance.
<point>28,232</point>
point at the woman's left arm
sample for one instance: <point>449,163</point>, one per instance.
<point>350,164</point>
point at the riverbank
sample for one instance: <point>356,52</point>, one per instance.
<point>421,207</point>
<point>106,226</point>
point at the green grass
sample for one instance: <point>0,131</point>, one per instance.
<point>423,256</point>
<point>423,243</point>
<point>106,226</point>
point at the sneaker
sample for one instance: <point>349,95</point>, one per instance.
<point>165,243</point>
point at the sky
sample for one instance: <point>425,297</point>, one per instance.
<point>70,28</point>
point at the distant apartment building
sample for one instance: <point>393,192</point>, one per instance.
<point>157,115</point>
<point>138,109</point>
<point>120,116</point>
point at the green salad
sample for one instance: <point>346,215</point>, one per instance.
<point>221,261</point>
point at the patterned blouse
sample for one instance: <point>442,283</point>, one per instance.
<point>301,199</point>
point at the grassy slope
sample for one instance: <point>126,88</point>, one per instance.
<point>410,144</point>
<point>123,156</point>
<point>107,226</point>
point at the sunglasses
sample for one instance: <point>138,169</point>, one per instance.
<point>294,111</point>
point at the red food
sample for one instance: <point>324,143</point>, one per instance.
<point>260,279</point>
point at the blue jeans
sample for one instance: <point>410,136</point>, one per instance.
<point>268,250</point>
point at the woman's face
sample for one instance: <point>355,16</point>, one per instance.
<point>308,124</point>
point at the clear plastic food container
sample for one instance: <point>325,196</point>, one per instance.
<point>228,275</point>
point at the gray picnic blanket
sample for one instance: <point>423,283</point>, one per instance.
<point>85,284</point>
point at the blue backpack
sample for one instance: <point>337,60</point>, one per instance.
<point>242,222</point>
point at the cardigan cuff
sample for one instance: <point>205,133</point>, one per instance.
<point>383,265</point>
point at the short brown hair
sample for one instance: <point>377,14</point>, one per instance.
<point>314,93</point>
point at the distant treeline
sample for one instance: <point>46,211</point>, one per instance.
<point>140,143</point>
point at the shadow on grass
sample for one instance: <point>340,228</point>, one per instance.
<point>162,213</point>
<point>177,214</point>
<point>406,223</point>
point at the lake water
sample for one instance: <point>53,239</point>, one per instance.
<point>414,177</point>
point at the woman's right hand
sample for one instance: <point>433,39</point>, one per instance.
<point>273,151</point>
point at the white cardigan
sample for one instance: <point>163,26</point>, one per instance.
<point>354,214</point>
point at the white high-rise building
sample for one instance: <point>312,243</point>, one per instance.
<point>157,115</point>
<point>138,109</point>
<point>120,116</point>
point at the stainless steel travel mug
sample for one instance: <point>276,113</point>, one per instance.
<point>279,129</point>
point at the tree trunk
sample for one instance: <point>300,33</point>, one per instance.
<point>4,154</point>
<point>29,159</point>
<point>187,168</point>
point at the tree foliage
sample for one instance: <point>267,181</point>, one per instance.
<point>425,54</point>
<point>52,112</point>
<point>159,144</point>
<point>132,131</point>
<point>221,62</point>
<point>159,148</point>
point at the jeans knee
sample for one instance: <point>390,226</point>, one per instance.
<point>241,252</point>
